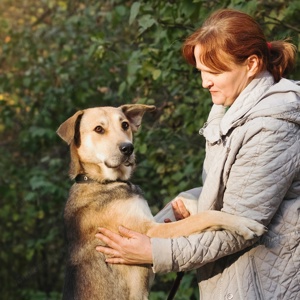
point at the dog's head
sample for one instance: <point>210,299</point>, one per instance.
<point>101,140</point>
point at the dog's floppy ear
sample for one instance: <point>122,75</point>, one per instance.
<point>67,129</point>
<point>134,113</point>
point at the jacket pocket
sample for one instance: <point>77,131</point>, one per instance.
<point>256,279</point>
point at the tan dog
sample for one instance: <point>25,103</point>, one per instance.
<point>102,160</point>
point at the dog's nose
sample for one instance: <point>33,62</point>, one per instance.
<point>126,148</point>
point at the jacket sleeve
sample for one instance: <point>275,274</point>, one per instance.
<point>262,172</point>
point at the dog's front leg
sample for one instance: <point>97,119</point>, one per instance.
<point>207,220</point>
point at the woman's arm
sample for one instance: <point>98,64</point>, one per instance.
<point>262,173</point>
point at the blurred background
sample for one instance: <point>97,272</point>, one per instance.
<point>59,56</point>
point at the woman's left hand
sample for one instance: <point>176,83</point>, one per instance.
<point>130,247</point>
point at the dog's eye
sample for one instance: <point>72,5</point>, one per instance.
<point>125,125</point>
<point>99,129</point>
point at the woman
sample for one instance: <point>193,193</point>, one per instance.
<point>251,169</point>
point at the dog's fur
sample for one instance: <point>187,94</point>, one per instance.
<point>101,148</point>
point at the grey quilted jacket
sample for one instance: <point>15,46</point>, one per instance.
<point>251,169</point>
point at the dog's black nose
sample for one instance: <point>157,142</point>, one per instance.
<point>126,148</point>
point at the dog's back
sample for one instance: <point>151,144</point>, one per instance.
<point>87,275</point>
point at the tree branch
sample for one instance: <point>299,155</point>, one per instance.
<point>278,22</point>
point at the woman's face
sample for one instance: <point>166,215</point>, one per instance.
<point>224,87</point>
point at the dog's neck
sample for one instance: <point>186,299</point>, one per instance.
<point>100,174</point>
<point>83,178</point>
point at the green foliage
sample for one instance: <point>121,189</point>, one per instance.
<point>61,56</point>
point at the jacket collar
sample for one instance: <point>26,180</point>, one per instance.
<point>248,98</point>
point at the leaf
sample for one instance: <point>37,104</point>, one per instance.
<point>156,73</point>
<point>146,22</point>
<point>134,12</point>
<point>27,81</point>
<point>143,148</point>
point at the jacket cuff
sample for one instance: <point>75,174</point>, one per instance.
<point>162,255</point>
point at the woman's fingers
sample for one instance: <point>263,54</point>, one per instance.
<point>179,209</point>
<point>110,238</point>
<point>128,248</point>
<point>125,232</point>
<point>109,250</point>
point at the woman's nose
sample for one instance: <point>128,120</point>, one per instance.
<point>206,82</point>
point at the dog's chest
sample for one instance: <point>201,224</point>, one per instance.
<point>106,204</point>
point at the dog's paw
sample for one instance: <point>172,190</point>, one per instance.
<point>250,229</point>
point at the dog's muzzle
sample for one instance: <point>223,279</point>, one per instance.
<point>125,157</point>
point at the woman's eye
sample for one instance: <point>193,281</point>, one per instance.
<point>99,129</point>
<point>125,125</point>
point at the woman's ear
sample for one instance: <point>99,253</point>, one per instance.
<point>253,65</point>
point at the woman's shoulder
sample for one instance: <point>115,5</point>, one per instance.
<point>280,102</point>
<point>267,130</point>
<point>286,85</point>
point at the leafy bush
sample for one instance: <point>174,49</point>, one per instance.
<point>60,56</point>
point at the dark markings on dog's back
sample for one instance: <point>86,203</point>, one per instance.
<point>119,191</point>
<point>107,193</point>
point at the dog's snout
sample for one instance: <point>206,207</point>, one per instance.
<point>126,148</point>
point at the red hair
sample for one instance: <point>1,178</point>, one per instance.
<point>232,36</point>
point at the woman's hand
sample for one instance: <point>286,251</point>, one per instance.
<point>130,248</point>
<point>179,210</point>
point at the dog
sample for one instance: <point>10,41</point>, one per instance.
<point>102,162</point>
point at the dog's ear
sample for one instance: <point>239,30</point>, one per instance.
<point>67,129</point>
<point>134,113</point>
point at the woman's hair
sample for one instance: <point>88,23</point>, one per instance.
<point>235,35</point>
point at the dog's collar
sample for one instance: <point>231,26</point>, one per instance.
<point>83,178</point>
